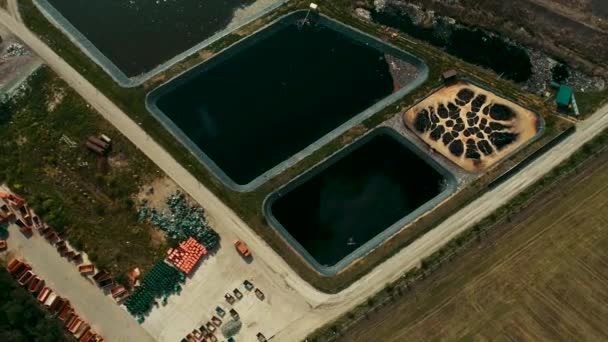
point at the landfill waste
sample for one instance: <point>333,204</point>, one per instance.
<point>14,50</point>
<point>182,221</point>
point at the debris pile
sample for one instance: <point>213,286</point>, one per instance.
<point>182,222</point>
<point>14,50</point>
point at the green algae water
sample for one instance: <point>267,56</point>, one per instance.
<point>254,106</point>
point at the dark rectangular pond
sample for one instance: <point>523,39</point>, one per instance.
<point>273,95</point>
<point>346,206</point>
<point>138,35</point>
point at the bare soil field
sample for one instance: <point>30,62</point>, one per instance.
<point>571,30</point>
<point>472,127</point>
<point>542,276</point>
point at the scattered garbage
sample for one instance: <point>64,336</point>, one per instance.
<point>182,222</point>
<point>14,50</point>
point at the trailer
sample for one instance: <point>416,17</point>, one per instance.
<point>98,142</point>
<point>88,336</point>
<point>86,269</point>
<point>22,270</point>
<point>118,291</point>
<point>58,305</point>
<point>106,283</point>
<point>95,148</point>
<point>36,285</point>
<point>70,319</point>
<point>50,300</point>
<point>65,312</point>
<point>101,275</point>
<point>12,199</point>
<point>23,227</point>
<point>75,325</point>
<point>43,295</point>
<point>13,264</point>
<point>24,279</point>
<point>84,327</point>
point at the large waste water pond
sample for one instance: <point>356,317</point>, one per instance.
<point>265,103</point>
<point>138,35</point>
<point>351,203</point>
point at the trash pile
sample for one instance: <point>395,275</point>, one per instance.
<point>187,255</point>
<point>14,50</point>
<point>182,222</point>
<point>162,280</point>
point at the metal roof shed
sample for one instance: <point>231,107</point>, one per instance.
<point>564,96</point>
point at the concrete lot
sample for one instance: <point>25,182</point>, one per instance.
<point>217,275</point>
<point>90,303</point>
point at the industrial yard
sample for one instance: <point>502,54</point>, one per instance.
<point>175,211</point>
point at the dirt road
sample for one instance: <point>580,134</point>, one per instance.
<point>323,307</point>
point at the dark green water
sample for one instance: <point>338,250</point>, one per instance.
<point>470,44</point>
<point>272,99</point>
<point>356,198</point>
<point>138,35</point>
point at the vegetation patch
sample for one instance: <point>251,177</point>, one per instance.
<point>78,193</point>
<point>22,319</point>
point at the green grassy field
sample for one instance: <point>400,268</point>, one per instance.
<point>248,205</point>
<point>85,196</point>
<point>543,276</point>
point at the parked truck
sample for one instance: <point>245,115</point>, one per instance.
<point>242,248</point>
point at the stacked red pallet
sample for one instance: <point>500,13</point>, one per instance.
<point>187,255</point>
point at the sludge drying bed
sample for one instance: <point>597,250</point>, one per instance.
<point>349,204</point>
<point>471,126</point>
<point>275,97</point>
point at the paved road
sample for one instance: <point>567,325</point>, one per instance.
<point>323,307</point>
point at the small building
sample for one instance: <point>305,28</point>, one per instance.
<point>564,97</point>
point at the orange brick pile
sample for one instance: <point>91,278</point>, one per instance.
<point>187,255</point>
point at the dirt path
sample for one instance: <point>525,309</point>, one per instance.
<point>323,307</point>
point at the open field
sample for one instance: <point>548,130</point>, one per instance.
<point>248,205</point>
<point>90,198</point>
<point>542,276</point>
